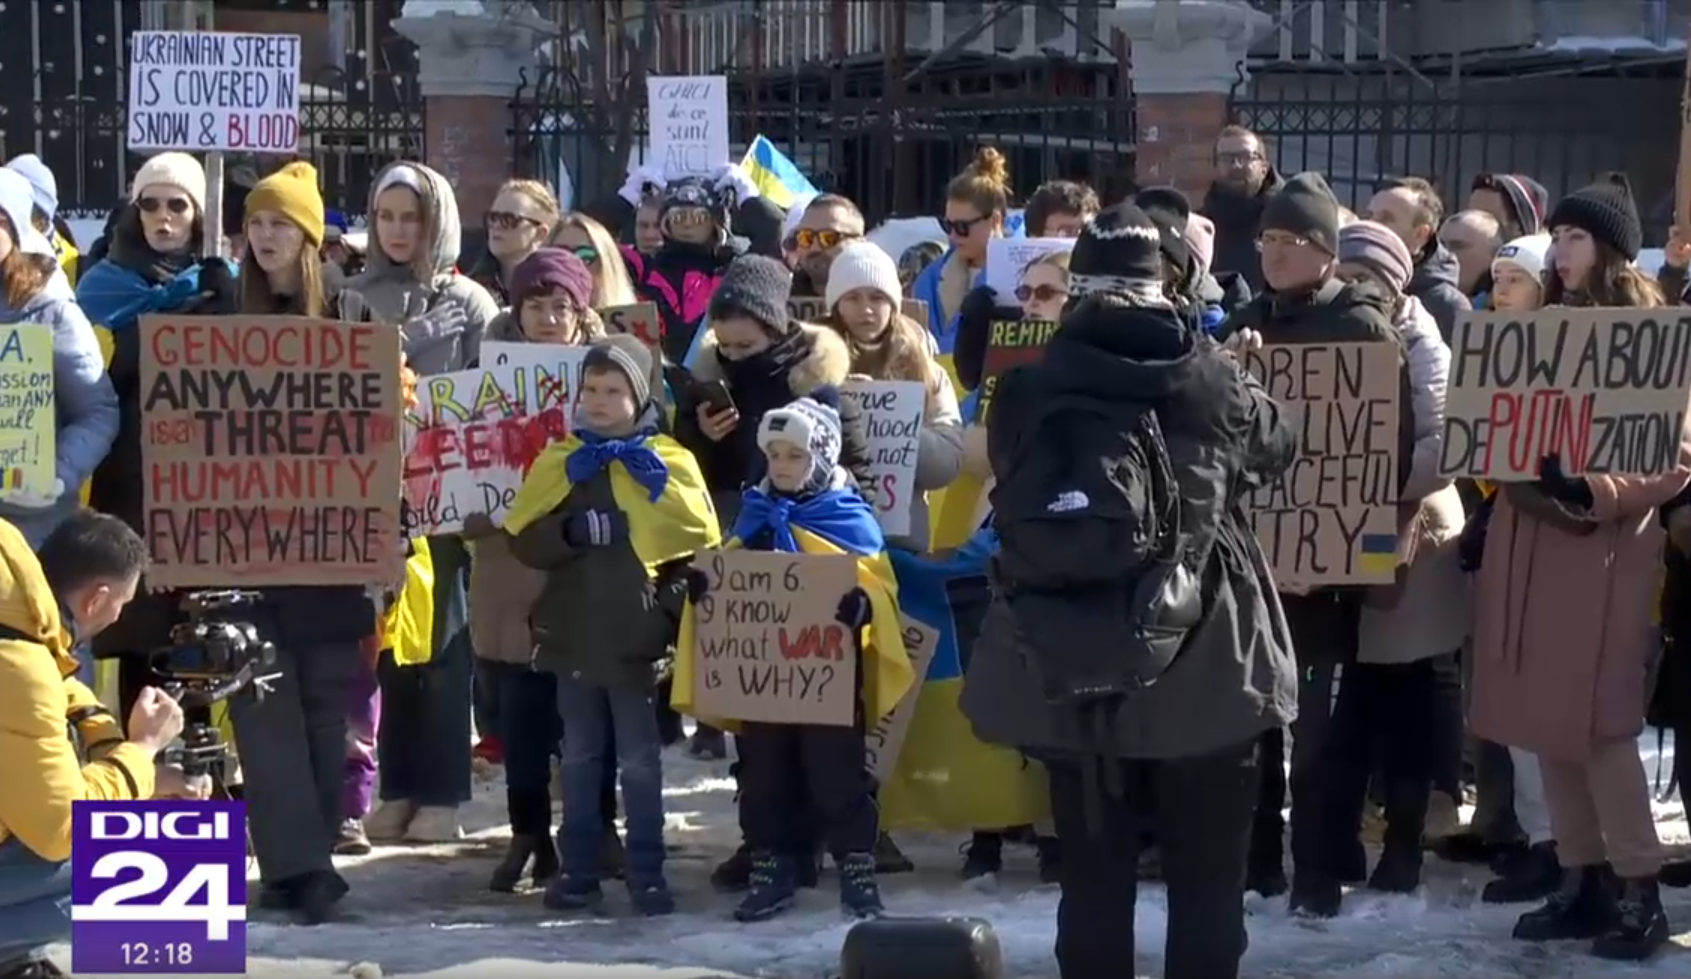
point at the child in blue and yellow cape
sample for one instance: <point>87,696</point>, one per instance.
<point>612,516</point>
<point>807,505</point>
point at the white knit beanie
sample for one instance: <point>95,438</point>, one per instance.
<point>176,170</point>
<point>1530,253</point>
<point>861,265</point>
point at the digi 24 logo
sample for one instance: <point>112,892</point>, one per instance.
<point>159,886</point>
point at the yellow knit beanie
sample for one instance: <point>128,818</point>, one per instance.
<point>292,192</point>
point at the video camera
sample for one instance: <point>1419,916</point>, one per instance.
<point>214,655</point>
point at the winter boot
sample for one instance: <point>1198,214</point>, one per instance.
<point>577,892</point>
<point>772,888</point>
<point>651,896</point>
<point>433,824</point>
<point>983,855</point>
<point>1532,874</point>
<point>1314,896</point>
<point>1050,859</point>
<point>316,894</point>
<point>389,821</point>
<point>860,896</point>
<point>351,841</point>
<point>1582,907</point>
<point>889,859</point>
<point>1398,872</point>
<point>1640,927</point>
<point>518,853</point>
<point>734,875</point>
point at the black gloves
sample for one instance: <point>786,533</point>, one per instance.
<point>595,528</point>
<point>1552,482</point>
<point>854,611</point>
<point>698,583</point>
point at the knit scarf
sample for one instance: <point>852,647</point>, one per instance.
<point>597,453</point>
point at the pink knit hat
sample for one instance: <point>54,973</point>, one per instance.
<point>1200,237</point>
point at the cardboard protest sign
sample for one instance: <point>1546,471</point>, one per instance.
<point>559,361</point>
<point>1604,389</point>
<point>1331,519</point>
<point>1008,258</point>
<point>29,423</point>
<point>688,118</point>
<point>270,451</point>
<point>883,742</point>
<point>471,439</point>
<point>892,413</point>
<point>810,309</point>
<point>637,319</point>
<point>766,644</point>
<point>1012,343</point>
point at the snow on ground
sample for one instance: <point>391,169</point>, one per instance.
<point>425,911</point>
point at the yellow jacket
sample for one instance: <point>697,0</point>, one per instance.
<point>42,770</point>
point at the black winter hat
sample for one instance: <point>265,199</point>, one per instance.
<point>1121,245</point>
<point>1169,209</point>
<point>755,286</point>
<point>1305,207</point>
<point>1606,211</point>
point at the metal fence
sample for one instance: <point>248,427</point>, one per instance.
<point>352,125</point>
<point>1561,124</point>
<point>886,135</point>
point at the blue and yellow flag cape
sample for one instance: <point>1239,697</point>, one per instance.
<point>946,778</point>
<point>408,627</point>
<point>678,524</point>
<point>887,673</point>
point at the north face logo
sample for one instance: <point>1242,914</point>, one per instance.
<point>1069,501</point>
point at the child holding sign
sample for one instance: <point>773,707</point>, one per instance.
<point>612,515</point>
<point>807,505</point>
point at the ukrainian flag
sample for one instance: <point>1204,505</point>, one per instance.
<point>1379,554</point>
<point>778,179</point>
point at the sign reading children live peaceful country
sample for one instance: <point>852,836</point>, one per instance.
<point>1603,389</point>
<point>28,412</point>
<point>1331,519</point>
<point>1011,343</point>
<point>767,644</point>
<point>203,91</point>
<point>473,435</point>
<point>270,451</point>
<point>892,420</point>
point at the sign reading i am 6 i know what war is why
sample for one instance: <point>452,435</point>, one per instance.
<point>767,644</point>
<point>28,412</point>
<point>203,91</point>
<point>892,419</point>
<point>1331,519</point>
<point>159,887</point>
<point>1011,343</point>
<point>688,120</point>
<point>270,451</point>
<point>1603,389</point>
<point>472,437</point>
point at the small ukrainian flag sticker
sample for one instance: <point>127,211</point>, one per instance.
<point>1378,555</point>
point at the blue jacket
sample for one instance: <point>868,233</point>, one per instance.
<point>116,298</point>
<point>87,407</point>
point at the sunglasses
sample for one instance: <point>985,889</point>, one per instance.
<point>806,238</point>
<point>505,220</point>
<point>587,253</point>
<point>960,226</point>
<point>175,205</point>
<point>1042,293</point>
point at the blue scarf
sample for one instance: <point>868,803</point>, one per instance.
<point>839,516</point>
<point>596,453</point>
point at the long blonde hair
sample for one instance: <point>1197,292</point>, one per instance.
<point>907,357</point>
<point>612,285</point>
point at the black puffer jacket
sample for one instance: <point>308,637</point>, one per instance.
<point>1237,222</point>
<point>1435,284</point>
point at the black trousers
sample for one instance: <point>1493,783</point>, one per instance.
<point>1387,713</point>
<point>1309,735</point>
<point>1201,810</point>
<point>796,779</point>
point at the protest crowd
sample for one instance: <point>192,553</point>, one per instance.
<point>1238,543</point>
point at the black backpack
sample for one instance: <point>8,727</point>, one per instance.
<point>1093,563</point>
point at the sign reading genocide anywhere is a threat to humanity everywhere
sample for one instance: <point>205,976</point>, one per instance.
<point>1604,390</point>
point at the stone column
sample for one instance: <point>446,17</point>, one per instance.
<point>470,57</point>
<point>1187,55</point>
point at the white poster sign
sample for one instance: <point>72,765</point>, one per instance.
<point>688,120</point>
<point>892,413</point>
<point>205,91</point>
<point>1007,258</point>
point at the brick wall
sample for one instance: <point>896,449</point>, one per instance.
<point>1177,139</point>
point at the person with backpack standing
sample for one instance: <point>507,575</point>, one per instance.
<point>1134,643</point>
<point>1305,302</point>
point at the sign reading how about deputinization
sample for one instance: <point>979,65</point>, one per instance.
<point>270,451</point>
<point>767,644</point>
<point>688,119</point>
<point>1331,519</point>
<point>473,434</point>
<point>204,91</point>
<point>892,419</point>
<point>158,887</point>
<point>28,413</point>
<point>1605,390</point>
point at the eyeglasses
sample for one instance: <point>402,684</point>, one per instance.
<point>587,253</point>
<point>960,227</point>
<point>1281,241</point>
<point>175,205</point>
<point>506,220</point>
<point>1040,293</point>
<point>1244,159</point>
<point>824,239</point>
